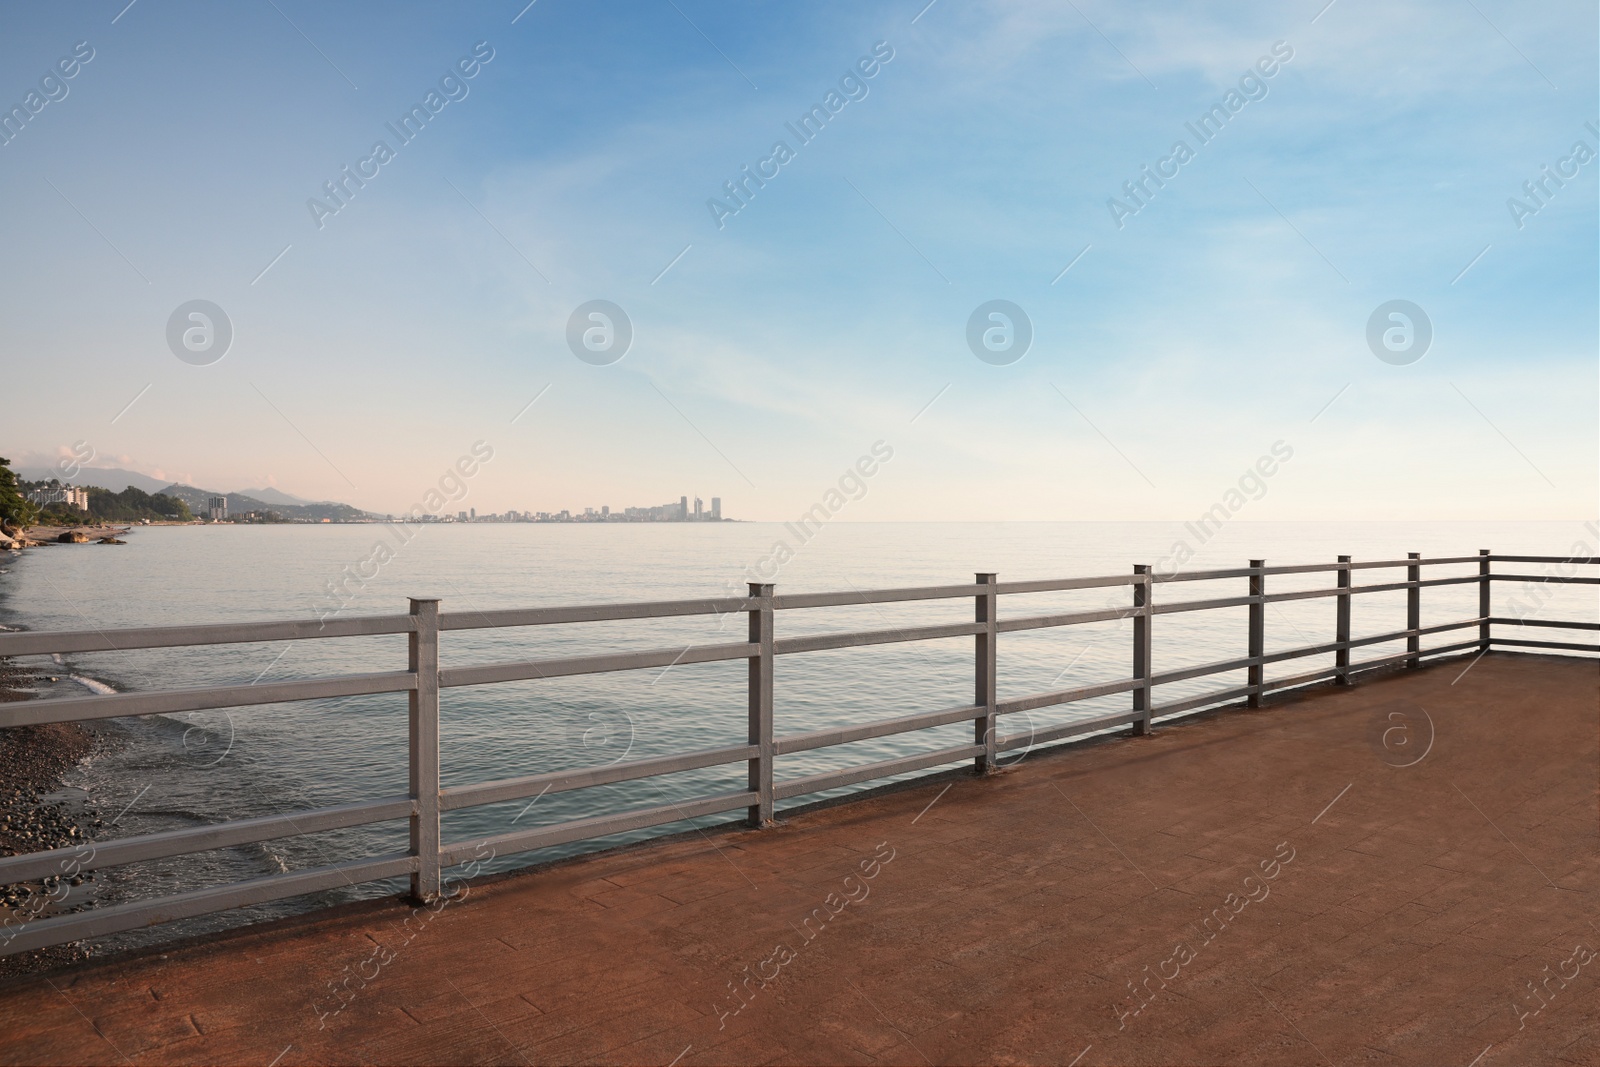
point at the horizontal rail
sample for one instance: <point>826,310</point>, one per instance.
<point>660,609</point>
<point>1559,624</point>
<point>1387,587</point>
<point>596,826</point>
<point>844,735</point>
<point>1435,561</point>
<point>34,643</point>
<point>1218,667</point>
<point>1065,696</point>
<point>471,796</point>
<point>1307,594</point>
<point>1277,685</point>
<point>816,783</point>
<point>1399,657</point>
<point>822,642</point>
<point>872,596</point>
<point>194,839</point>
<point>1310,568</point>
<point>137,914</point>
<point>1072,729</point>
<point>1582,561</point>
<point>1053,585</point>
<point>1546,579</point>
<point>172,701</point>
<point>1217,696</point>
<point>1071,618</point>
<point>451,677</point>
<point>1295,681</point>
<point>1223,666</point>
<point>1546,644</point>
<point>1212,575</point>
<point>1173,607</point>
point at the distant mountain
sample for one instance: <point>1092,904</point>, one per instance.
<point>239,503</point>
<point>112,478</point>
<point>273,496</point>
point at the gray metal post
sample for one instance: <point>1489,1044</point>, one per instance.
<point>1256,673</point>
<point>423,661</point>
<point>1413,611</point>
<point>1142,697</point>
<point>760,704</point>
<point>1485,601</point>
<point>1341,626</point>
<point>984,689</point>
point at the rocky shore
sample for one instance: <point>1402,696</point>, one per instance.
<point>33,536</point>
<point>33,761</point>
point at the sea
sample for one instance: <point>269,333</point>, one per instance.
<point>167,772</point>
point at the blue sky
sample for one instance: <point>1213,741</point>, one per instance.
<point>1222,317</point>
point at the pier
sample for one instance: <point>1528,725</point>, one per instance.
<point>1257,874</point>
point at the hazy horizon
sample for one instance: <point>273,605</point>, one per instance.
<point>1187,312</point>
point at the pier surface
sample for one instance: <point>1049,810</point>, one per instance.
<point>1088,905</point>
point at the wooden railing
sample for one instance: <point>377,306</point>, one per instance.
<point>424,677</point>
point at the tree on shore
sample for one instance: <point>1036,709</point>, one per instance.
<point>15,509</point>
<point>133,504</point>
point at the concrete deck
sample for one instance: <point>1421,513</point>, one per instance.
<point>1411,915</point>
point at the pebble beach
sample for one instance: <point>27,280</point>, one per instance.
<point>33,761</point>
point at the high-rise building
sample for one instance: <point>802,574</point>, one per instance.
<point>70,495</point>
<point>698,513</point>
<point>605,511</point>
<point>683,508</point>
<point>217,508</point>
<point>716,509</point>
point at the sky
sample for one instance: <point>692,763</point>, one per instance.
<point>1234,315</point>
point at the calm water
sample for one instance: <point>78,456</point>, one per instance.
<point>171,772</point>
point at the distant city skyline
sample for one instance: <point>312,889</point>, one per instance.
<point>1071,262</point>
<point>677,512</point>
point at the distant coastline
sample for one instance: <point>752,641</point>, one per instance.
<point>269,506</point>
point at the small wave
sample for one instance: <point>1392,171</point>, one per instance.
<point>93,686</point>
<point>182,814</point>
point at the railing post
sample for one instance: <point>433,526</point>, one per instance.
<point>760,704</point>
<point>1256,673</point>
<point>984,689</point>
<point>1341,626</point>
<point>1413,611</point>
<point>1485,601</point>
<point>423,661</point>
<point>1142,697</point>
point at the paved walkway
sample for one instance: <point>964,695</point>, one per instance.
<point>1260,887</point>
